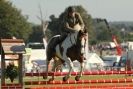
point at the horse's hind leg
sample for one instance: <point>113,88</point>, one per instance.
<point>56,64</point>
<point>47,66</point>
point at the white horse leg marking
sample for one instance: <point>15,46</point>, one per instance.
<point>82,66</point>
<point>80,74</point>
<point>47,68</point>
<point>53,70</point>
<point>70,64</point>
<point>82,45</point>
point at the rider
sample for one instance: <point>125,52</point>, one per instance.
<point>72,22</point>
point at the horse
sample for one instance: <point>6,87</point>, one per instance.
<point>67,51</point>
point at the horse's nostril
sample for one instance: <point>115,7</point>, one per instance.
<point>84,58</point>
<point>82,54</point>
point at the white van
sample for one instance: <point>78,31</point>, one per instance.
<point>35,56</point>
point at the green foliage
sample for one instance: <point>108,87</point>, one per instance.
<point>36,35</point>
<point>93,42</point>
<point>12,23</point>
<point>54,26</point>
<point>11,71</point>
<point>104,32</point>
<point>125,35</point>
<point>129,37</point>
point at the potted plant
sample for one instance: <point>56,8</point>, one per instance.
<point>11,72</point>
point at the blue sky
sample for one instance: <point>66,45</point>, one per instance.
<point>112,10</point>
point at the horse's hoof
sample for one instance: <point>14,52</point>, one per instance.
<point>65,78</point>
<point>45,77</point>
<point>51,79</point>
<point>77,78</point>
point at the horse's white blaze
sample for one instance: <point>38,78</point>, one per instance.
<point>83,46</point>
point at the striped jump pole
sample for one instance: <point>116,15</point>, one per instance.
<point>83,73</point>
<point>11,86</point>
<point>87,87</point>
<point>59,84</point>
<point>80,81</point>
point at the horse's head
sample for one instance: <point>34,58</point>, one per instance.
<point>81,41</point>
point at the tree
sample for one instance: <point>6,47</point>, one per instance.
<point>104,31</point>
<point>37,34</point>
<point>12,23</point>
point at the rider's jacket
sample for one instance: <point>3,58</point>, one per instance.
<point>71,22</point>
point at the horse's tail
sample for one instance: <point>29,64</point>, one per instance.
<point>52,41</point>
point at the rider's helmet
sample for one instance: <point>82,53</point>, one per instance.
<point>71,9</point>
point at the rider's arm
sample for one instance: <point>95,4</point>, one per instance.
<point>68,28</point>
<point>81,21</point>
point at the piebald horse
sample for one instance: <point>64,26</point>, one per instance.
<point>72,48</point>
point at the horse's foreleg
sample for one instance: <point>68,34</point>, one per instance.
<point>47,68</point>
<point>80,73</point>
<point>82,66</point>
<point>53,70</point>
<point>70,64</point>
